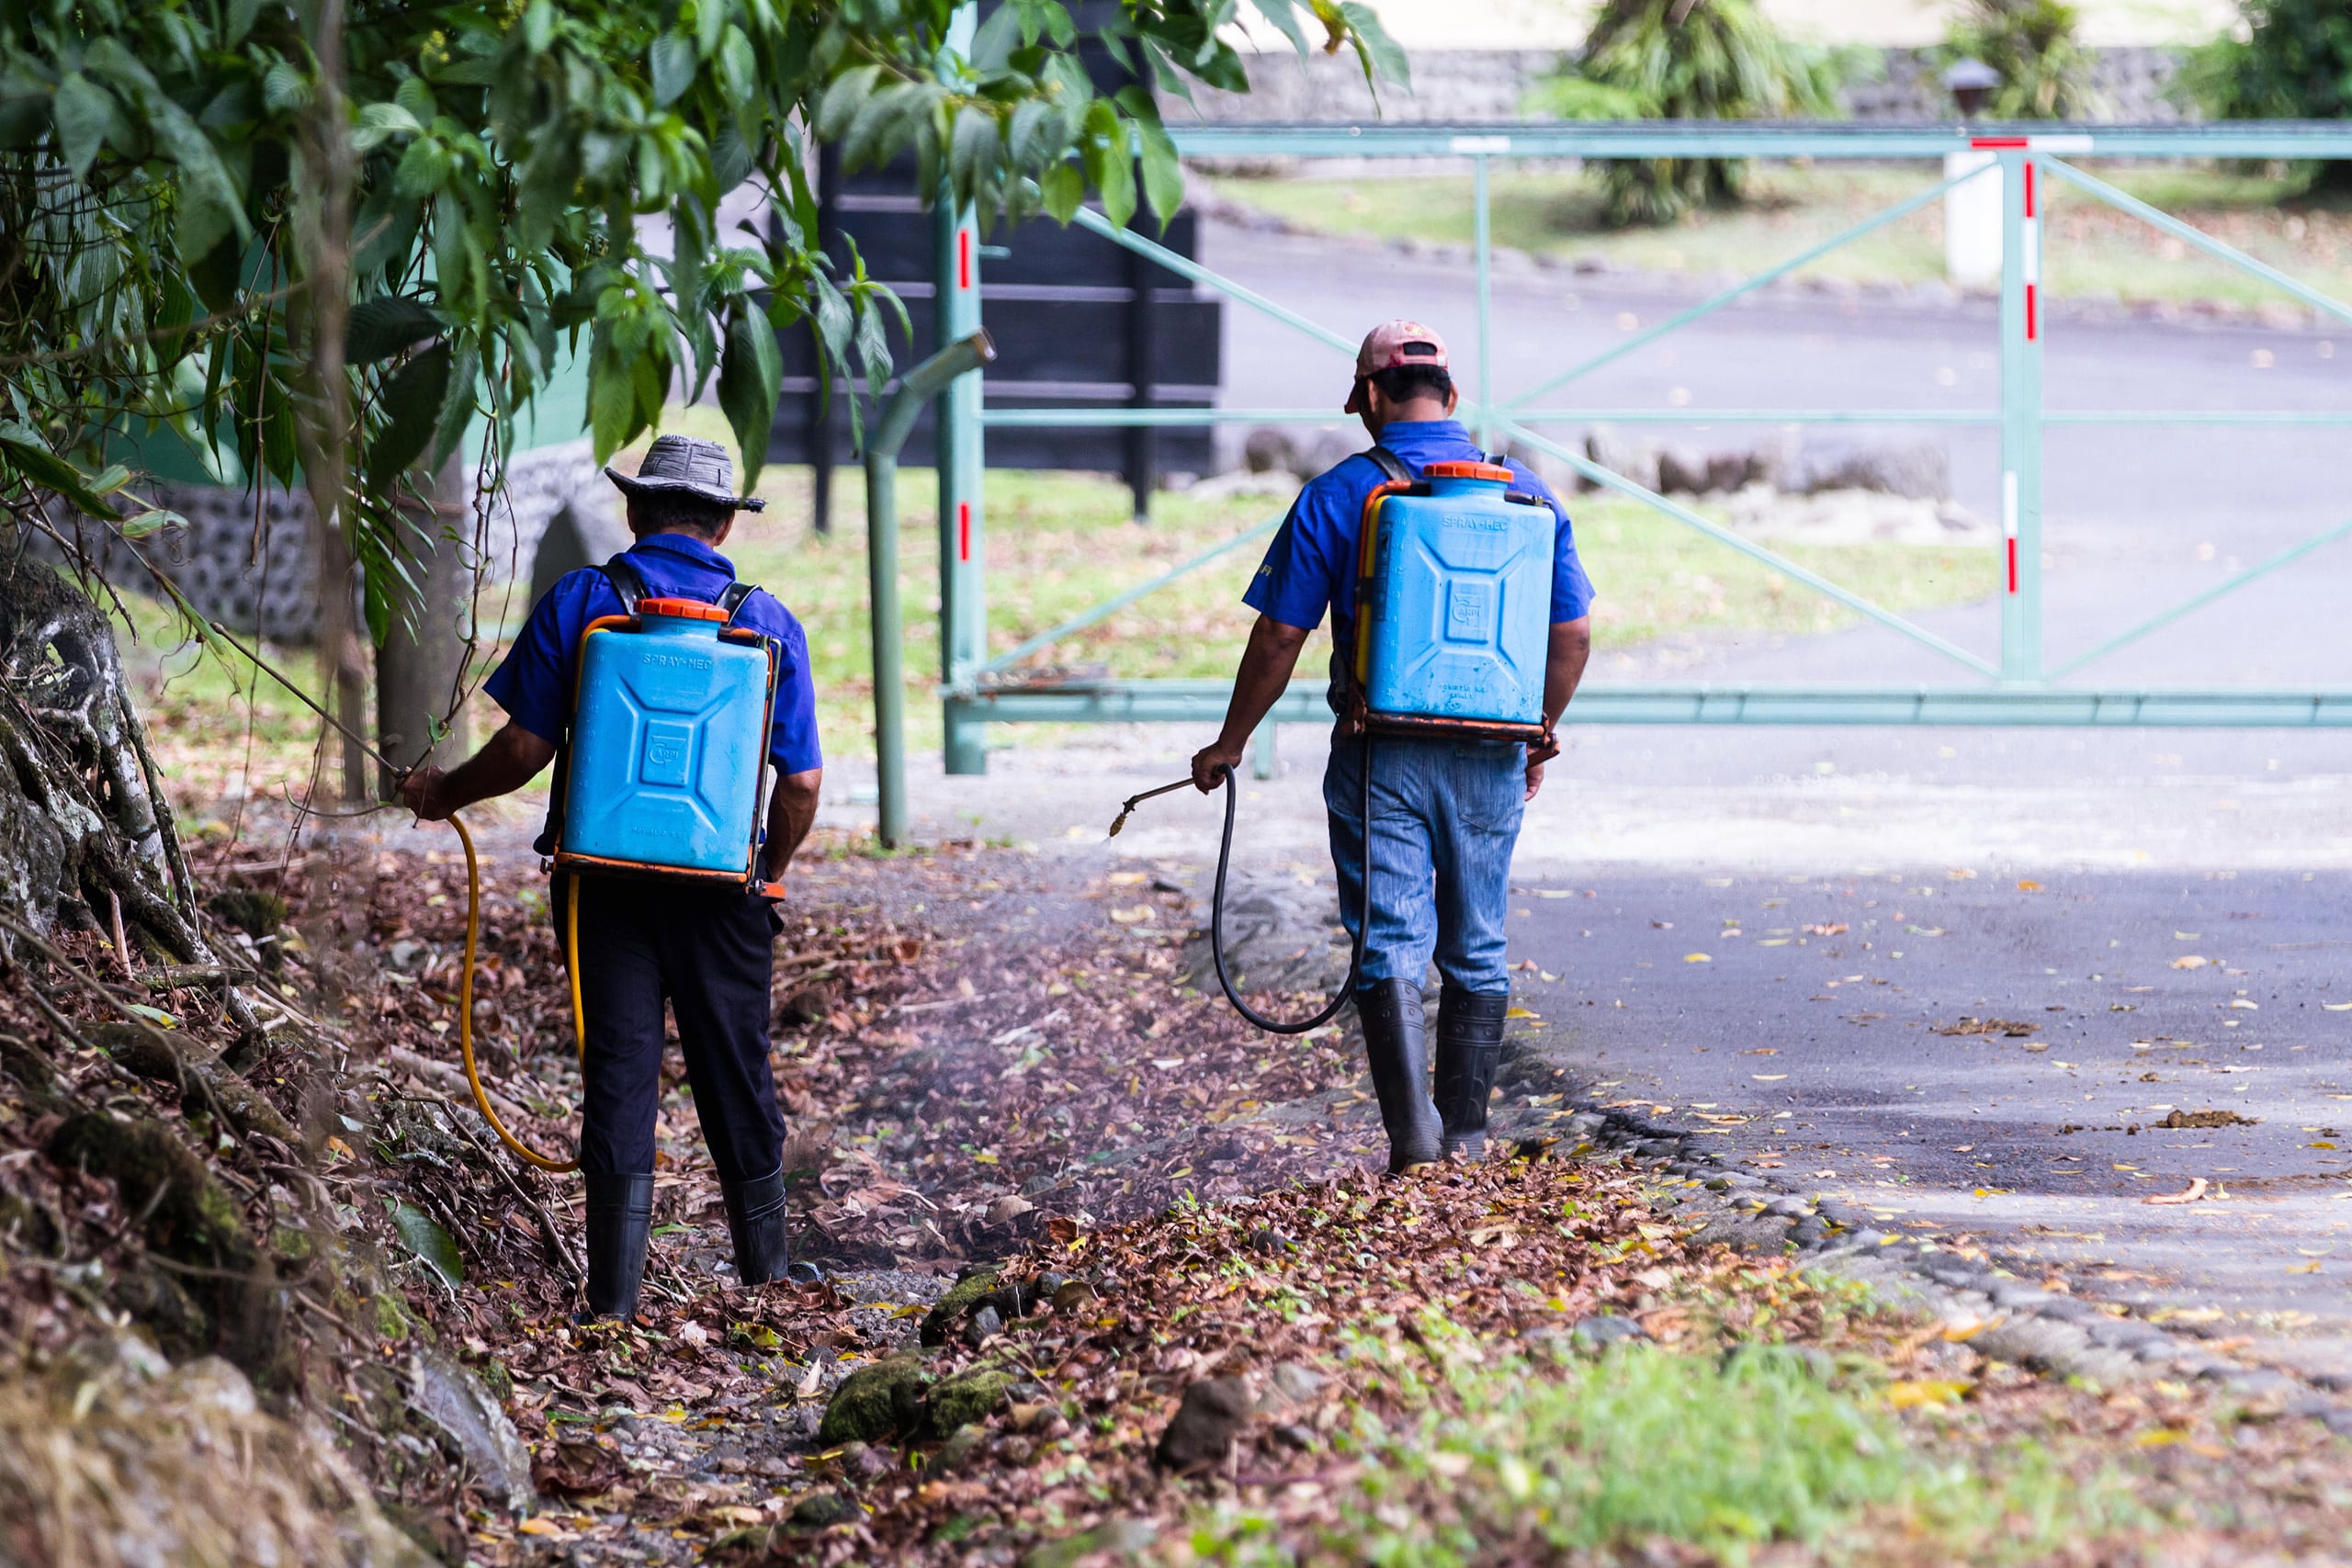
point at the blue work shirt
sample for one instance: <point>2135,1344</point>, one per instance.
<point>534,684</point>
<point>1311,565</point>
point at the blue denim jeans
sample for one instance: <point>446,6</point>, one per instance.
<point>1444,819</point>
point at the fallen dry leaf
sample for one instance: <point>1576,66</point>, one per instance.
<point>2195,1191</point>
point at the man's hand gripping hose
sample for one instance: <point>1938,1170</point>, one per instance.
<point>1217,902</point>
<point>473,925</point>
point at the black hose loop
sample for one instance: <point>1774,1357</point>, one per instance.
<point>1363,913</point>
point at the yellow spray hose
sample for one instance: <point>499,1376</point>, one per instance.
<point>466,1000</point>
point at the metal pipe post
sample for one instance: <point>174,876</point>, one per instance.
<point>2020,331</point>
<point>963,580</point>
<point>1484,242</point>
<point>892,425</point>
<point>889,663</point>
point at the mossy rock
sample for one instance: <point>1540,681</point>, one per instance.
<point>875,1403</point>
<point>251,911</point>
<point>963,1297</point>
<point>188,1218</point>
<point>969,1397</point>
<point>391,1317</point>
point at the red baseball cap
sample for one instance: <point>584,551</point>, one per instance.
<point>1390,345</point>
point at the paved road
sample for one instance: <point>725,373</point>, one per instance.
<point>2137,516</point>
<point>1815,1043</point>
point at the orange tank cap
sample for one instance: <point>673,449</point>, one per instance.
<point>681,609</point>
<point>1493,471</point>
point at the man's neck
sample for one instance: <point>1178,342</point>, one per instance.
<point>1421,411</point>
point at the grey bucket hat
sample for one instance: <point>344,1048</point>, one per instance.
<point>683,465</point>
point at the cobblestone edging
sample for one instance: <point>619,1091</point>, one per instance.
<point>2054,1335</point>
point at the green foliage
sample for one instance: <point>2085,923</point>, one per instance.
<point>1530,1460</point>
<point>1687,59</point>
<point>195,193</point>
<point>2045,70</point>
<point>2286,60</point>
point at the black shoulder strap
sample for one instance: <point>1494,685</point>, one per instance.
<point>1390,463</point>
<point>731,598</point>
<point>626,580</point>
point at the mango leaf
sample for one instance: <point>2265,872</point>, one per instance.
<point>1163,172</point>
<point>1063,188</point>
<point>430,1243</point>
<point>383,326</point>
<point>36,465</point>
<point>672,66</point>
<point>148,523</point>
<point>749,378</point>
<point>1382,56</point>
<point>80,110</point>
<point>411,402</point>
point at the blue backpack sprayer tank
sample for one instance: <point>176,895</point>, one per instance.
<point>1453,628</point>
<point>660,776</point>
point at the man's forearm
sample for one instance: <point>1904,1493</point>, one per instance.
<point>1264,675</point>
<point>792,811</point>
<point>1564,663</point>
<point>508,761</point>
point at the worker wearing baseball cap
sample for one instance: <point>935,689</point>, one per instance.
<point>1445,813</point>
<point>708,953</point>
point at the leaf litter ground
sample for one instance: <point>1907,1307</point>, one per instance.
<point>989,1058</point>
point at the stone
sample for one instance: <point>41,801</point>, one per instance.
<point>1600,1333</point>
<point>452,1398</point>
<point>1681,472</point>
<point>968,1398</point>
<point>819,1509</point>
<point>874,1402</point>
<point>1789,1208</point>
<point>1290,1386</point>
<point>1631,459</point>
<point>959,1447</point>
<point>982,1324</point>
<point>961,1297</point>
<point>1920,469</point>
<point>1293,1435</point>
<point>1200,1436</point>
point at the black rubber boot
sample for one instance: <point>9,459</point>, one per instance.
<point>756,1219</point>
<point>1469,1048</point>
<point>1395,1038</point>
<point>620,1224</point>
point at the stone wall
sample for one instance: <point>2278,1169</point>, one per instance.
<point>1471,84</point>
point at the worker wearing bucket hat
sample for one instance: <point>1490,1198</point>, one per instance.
<point>1445,810</point>
<point>704,947</point>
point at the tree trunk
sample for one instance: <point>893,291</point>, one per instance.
<point>82,816</point>
<point>420,666</point>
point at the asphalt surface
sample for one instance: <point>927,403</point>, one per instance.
<point>1992,1057</point>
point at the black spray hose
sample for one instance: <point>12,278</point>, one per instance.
<point>1217,901</point>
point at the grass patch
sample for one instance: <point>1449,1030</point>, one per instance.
<point>1510,1458</point>
<point>2089,249</point>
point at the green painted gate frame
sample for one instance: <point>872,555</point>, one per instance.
<point>2016,688</point>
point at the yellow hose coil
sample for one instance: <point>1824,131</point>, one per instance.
<point>466,1000</point>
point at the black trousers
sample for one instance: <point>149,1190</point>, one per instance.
<point>708,953</point>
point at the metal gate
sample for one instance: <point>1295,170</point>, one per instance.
<point>2018,687</point>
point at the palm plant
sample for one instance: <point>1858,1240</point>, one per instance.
<point>1687,59</point>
